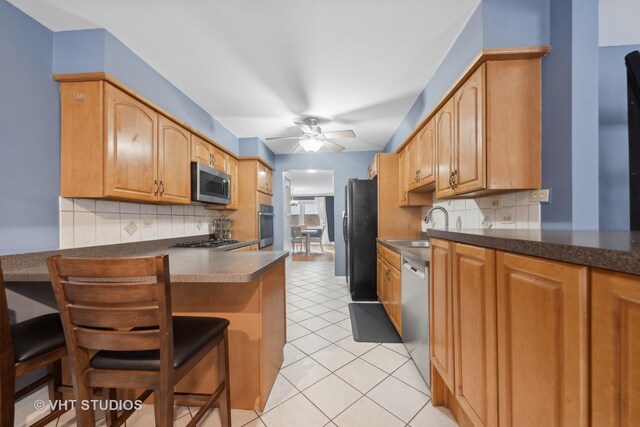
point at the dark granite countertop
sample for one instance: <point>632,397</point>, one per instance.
<point>187,265</point>
<point>611,250</point>
<point>417,255</point>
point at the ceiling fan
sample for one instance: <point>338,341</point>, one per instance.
<point>313,138</point>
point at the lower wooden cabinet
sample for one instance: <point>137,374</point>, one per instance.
<point>510,338</point>
<point>441,310</point>
<point>389,290</point>
<point>474,332</point>
<point>615,349</point>
<point>542,342</point>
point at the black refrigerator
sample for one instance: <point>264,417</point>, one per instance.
<point>360,229</point>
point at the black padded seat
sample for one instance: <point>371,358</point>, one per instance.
<point>37,336</point>
<point>190,335</point>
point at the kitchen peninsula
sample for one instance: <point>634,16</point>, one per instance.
<point>248,288</point>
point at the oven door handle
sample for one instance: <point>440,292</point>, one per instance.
<point>265,214</point>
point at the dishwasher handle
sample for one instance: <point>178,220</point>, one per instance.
<point>418,272</point>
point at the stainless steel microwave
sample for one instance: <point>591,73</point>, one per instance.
<point>209,185</point>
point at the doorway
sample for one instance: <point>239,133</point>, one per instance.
<point>310,225</point>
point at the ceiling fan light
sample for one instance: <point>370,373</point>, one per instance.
<point>311,145</point>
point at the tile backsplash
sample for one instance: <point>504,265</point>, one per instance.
<point>510,211</point>
<point>88,222</point>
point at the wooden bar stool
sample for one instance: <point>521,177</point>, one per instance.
<point>121,308</point>
<point>26,347</point>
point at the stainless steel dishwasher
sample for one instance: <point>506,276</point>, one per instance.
<point>415,314</point>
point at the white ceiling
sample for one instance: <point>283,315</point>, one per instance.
<point>257,66</point>
<point>619,22</point>
<point>319,183</point>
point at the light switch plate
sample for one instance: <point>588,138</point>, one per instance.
<point>147,223</point>
<point>541,195</point>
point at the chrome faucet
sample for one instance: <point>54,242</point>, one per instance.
<point>427,218</point>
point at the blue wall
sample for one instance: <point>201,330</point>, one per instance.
<point>494,23</point>
<point>99,50</point>
<point>344,165</point>
<point>254,147</point>
<point>614,138</point>
<point>29,135</point>
<point>464,49</point>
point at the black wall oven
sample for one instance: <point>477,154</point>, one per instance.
<point>209,185</point>
<point>265,225</point>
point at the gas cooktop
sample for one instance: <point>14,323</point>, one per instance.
<point>213,243</point>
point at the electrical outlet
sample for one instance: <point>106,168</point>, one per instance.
<point>496,203</point>
<point>541,196</point>
<point>507,218</point>
<point>147,223</point>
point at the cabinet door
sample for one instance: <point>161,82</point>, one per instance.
<point>615,349</point>
<point>474,331</point>
<point>380,280</point>
<point>174,166</point>
<point>395,299</point>
<point>233,171</point>
<point>201,151</point>
<point>402,177</point>
<point>262,177</point>
<point>132,150</point>
<point>426,154</point>
<point>445,139</point>
<point>413,181</point>
<point>470,148</point>
<point>542,342</point>
<point>440,309</point>
<point>219,159</point>
<point>269,182</point>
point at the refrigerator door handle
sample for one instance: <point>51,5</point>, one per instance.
<point>344,228</point>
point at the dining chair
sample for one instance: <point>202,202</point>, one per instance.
<point>317,238</point>
<point>116,314</point>
<point>26,347</point>
<point>296,238</point>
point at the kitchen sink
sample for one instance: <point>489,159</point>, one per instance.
<point>410,243</point>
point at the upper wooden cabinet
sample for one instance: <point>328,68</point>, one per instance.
<point>131,169</point>
<point>543,328</point>
<point>420,153</point>
<point>208,154</point>
<point>174,171</point>
<point>615,349</point>
<point>265,179</point>
<point>488,133</point>
<point>235,182</point>
<point>114,146</point>
<point>469,149</point>
<point>445,141</point>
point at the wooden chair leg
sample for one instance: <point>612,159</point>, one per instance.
<point>224,401</point>
<point>55,370</point>
<point>7,389</point>
<point>112,414</point>
<point>163,406</point>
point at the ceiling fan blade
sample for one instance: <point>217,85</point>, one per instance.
<point>303,127</point>
<point>282,137</point>
<point>298,149</point>
<point>340,134</point>
<point>333,146</point>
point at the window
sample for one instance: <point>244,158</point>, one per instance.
<point>305,214</point>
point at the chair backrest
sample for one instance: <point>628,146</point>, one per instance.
<point>102,300</point>
<point>296,232</point>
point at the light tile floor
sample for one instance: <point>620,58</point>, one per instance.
<point>327,378</point>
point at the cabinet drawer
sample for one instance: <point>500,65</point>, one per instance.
<point>392,257</point>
